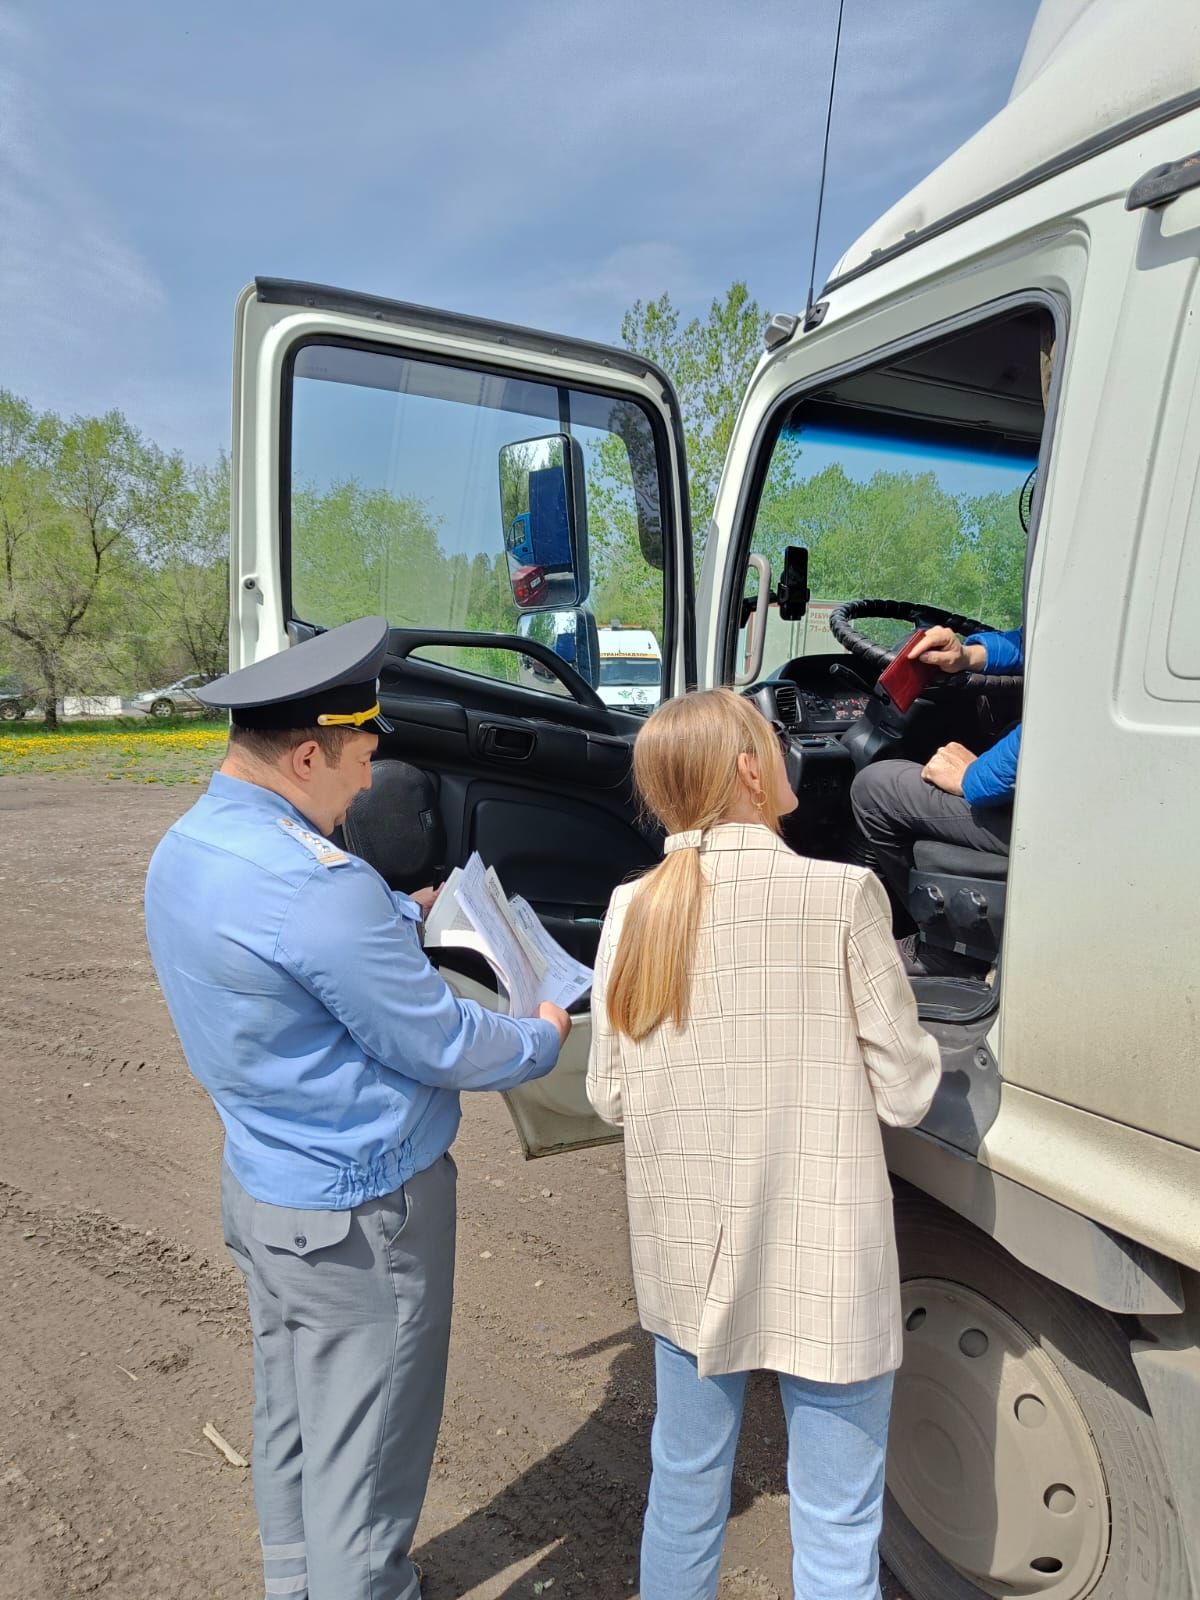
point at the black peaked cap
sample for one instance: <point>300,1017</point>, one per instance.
<point>334,673</point>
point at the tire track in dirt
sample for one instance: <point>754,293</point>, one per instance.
<point>153,1268</point>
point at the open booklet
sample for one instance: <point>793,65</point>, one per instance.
<point>473,912</point>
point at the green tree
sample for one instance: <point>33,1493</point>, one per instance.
<point>180,594</point>
<point>194,577</point>
<point>82,507</point>
<point>710,361</point>
<point>355,551</point>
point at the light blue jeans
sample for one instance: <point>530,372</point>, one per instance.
<point>837,1439</point>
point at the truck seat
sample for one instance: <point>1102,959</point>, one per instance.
<point>396,826</point>
<point>956,897</point>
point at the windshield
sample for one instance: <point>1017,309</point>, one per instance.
<point>893,510</point>
<point>624,672</point>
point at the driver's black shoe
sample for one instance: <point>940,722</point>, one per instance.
<point>927,961</point>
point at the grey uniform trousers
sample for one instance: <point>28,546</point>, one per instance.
<point>351,1318</point>
<point>895,807</point>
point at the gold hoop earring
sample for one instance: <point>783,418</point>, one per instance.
<point>760,801</point>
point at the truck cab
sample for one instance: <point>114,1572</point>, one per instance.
<point>990,415</point>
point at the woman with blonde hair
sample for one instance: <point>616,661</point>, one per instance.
<point>751,1025</point>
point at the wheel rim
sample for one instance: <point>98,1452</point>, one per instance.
<point>161,708</point>
<point>989,1456</point>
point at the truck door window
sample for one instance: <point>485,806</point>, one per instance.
<point>395,500</point>
<point>911,482</point>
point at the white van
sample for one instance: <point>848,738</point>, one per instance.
<point>991,414</point>
<point>630,668</point>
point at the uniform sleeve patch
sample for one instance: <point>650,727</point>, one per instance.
<point>321,849</point>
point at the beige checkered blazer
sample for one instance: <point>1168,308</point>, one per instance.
<point>760,1211</point>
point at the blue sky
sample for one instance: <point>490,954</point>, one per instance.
<point>540,161</point>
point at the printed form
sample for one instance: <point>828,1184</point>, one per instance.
<point>474,912</point>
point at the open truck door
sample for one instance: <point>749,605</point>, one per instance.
<point>381,453</point>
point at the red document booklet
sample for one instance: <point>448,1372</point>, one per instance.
<point>903,680</point>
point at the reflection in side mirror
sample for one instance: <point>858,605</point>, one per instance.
<point>572,635</point>
<point>544,520</point>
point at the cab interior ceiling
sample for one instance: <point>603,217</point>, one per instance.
<point>986,378</point>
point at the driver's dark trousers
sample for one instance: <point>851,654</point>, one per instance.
<point>895,807</point>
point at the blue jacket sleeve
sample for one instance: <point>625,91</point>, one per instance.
<point>1005,651</point>
<point>349,944</point>
<point>991,778</point>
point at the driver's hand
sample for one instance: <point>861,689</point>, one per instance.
<point>941,647</point>
<point>947,767</point>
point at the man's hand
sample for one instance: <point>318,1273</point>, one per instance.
<point>549,1012</point>
<point>426,898</point>
<point>947,767</point>
<point>941,647</point>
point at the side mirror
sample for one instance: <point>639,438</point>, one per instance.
<point>572,635</point>
<point>792,588</point>
<point>544,522</point>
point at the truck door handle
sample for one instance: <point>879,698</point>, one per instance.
<point>506,743</point>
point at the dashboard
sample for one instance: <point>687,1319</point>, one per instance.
<point>814,695</point>
<point>824,712</point>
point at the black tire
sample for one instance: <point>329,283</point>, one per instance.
<point>10,711</point>
<point>162,707</point>
<point>1139,1549</point>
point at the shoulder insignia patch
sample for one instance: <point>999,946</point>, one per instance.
<point>320,848</point>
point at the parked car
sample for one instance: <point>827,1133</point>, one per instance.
<point>177,699</point>
<point>15,700</point>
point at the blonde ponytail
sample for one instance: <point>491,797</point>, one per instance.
<point>685,766</point>
<point>651,977</point>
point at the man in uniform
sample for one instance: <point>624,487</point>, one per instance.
<point>335,1054</point>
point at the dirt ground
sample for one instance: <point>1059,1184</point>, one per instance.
<point>123,1327</point>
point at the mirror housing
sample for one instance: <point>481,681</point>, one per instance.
<point>573,635</point>
<point>792,589</point>
<point>544,518</point>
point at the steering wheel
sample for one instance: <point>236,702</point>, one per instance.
<point>841,625</point>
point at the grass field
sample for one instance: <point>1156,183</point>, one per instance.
<point>176,750</point>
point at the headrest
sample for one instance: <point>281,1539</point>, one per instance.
<point>396,826</point>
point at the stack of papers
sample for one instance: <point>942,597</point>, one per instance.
<point>473,912</point>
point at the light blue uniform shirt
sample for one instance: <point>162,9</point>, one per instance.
<point>307,1008</point>
<point>991,780</point>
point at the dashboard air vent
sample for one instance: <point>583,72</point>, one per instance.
<point>787,704</point>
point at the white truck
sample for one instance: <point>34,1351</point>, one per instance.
<point>991,413</point>
<point>630,676</point>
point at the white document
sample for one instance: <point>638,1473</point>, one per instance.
<point>447,923</point>
<point>472,911</point>
<point>565,978</point>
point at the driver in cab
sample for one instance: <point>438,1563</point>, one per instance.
<point>956,797</point>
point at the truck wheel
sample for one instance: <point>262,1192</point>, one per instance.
<point>1022,1457</point>
<point>162,707</point>
<point>9,710</point>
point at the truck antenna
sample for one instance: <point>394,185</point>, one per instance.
<point>812,275</point>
